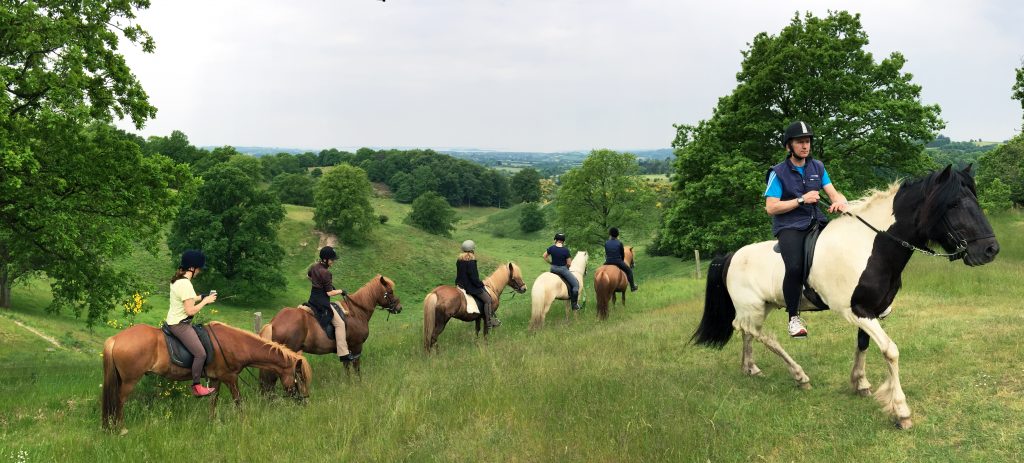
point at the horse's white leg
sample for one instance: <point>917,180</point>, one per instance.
<point>801,378</point>
<point>890,393</point>
<point>748,365</point>
<point>858,377</point>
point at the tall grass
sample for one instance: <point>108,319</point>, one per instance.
<point>628,389</point>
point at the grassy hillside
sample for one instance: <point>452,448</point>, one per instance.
<point>629,389</point>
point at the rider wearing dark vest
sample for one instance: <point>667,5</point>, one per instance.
<point>559,257</point>
<point>791,199</point>
<point>467,277</point>
<point>615,254</point>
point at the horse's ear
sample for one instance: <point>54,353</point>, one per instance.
<point>944,175</point>
<point>967,170</point>
<point>510,268</point>
<point>383,282</point>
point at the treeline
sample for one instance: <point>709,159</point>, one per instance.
<point>944,151</point>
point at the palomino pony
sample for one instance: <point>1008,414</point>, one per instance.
<point>548,287</point>
<point>447,302</point>
<point>298,329</point>
<point>857,265</point>
<point>142,349</point>
<point>609,280</point>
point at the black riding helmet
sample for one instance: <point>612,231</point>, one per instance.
<point>797,129</point>
<point>560,237</point>
<point>327,253</point>
<point>192,258</point>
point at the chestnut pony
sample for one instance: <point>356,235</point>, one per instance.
<point>447,302</point>
<point>608,280</point>
<point>141,349</point>
<point>298,329</point>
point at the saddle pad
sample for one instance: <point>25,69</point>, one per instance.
<point>471,305</point>
<point>180,355</point>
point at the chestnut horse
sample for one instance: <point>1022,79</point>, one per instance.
<point>548,287</point>
<point>608,280</point>
<point>447,302</point>
<point>298,329</point>
<point>858,262</point>
<point>142,349</point>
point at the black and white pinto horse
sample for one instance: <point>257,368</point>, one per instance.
<point>858,261</point>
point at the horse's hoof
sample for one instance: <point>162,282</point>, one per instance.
<point>864,392</point>
<point>753,371</point>
<point>124,432</point>
<point>804,386</point>
<point>904,423</point>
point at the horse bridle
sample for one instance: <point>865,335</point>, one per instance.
<point>952,232</point>
<point>391,303</point>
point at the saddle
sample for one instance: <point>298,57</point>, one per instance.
<point>565,282</point>
<point>809,242</point>
<point>472,303</point>
<point>180,355</point>
<point>324,318</point>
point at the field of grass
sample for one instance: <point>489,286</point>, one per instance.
<point>628,389</point>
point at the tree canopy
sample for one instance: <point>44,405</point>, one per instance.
<point>431,213</point>
<point>235,224</point>
<point>868,120</point>
<point>342,201</point>
<point>605,191</point>
<point>525,186</point>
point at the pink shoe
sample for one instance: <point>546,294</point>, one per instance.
<point>199,390</point>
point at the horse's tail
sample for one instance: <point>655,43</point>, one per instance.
<point>111,385</point>
<point>538,299</point>
<point>716,325</point>
<point>267,332</point>
<point>604,289</point>
<point>429,307</point>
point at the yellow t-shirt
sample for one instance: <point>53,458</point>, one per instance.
<point>181,291</point>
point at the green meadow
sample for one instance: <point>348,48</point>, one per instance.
<point>628,389</point>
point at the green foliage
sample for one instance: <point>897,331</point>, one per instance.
<point>432,214</point>
<point>460,182</point>
<point>294,189</point>
<point>957,153</point>
<point>235,224</point>
<point>1005,163</point>
<point>606,191</point>
<point>531,218</point>
<point>525,186</point>
<point>413,185</point>
<point>176,146</point>
<point>1018,88</point>
<point>995,197</point>
<point>383,219</point>
<point>280,163</point>
<point>316,173</point>
<point>867,118</point>
<point>207,160</point>
<point>342,201</point>
<point>94,198</point>
<point>252,166</point>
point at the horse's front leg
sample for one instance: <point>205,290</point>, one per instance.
<point>232,383</point>
<point>890,393</point>
<point>748,365</point>
<point>215,384</point>
<point>858,377</point>
<point>478,328</point>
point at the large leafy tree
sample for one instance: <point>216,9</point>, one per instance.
<point>431,213</point>
<point>294,189</point>
<point>342,201</point>
<point>1018,89</point>
<point>75,193</point>
<point>867,116</point>
<point>525,186</point>
<point>606,191</point>
<point>235,224</point>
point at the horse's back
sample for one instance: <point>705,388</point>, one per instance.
<point>754,276</point>
<point>609,275</point>
<point>548,284</point>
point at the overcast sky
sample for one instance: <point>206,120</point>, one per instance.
<point>526,75</point>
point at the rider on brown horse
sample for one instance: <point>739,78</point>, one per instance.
<point>467,277</point>
<point>320,299</point>
<point>185,303</point>
<point>615,254</point>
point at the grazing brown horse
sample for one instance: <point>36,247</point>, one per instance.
<point>608,280</point>
<point>142,349</point>
<point>297,328</point>
<point>447,302</point>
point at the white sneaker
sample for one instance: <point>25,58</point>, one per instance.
<point>796,328</point>
<point>885,313</point>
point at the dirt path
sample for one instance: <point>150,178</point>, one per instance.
<point>38,333</point>
<point>326,239</point>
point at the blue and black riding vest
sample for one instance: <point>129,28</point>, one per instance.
<point>795,185</point>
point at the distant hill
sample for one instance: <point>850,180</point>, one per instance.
<point>264,150</point>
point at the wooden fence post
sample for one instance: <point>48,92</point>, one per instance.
<point>257,322</point>
<point>696,260</point>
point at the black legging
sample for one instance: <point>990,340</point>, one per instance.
<point>484,298</point>
<point>621,264</point>
<point>791,242</point>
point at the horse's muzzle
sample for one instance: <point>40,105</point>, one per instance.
<point>981,252</point>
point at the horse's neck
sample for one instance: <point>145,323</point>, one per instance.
<point>362,302</point>
<point>498,280</point>
<point>246,349</point>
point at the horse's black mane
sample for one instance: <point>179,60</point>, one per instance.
<point>919,198</point>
